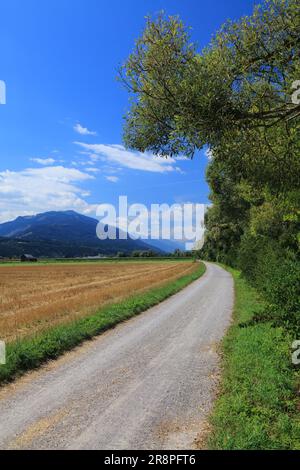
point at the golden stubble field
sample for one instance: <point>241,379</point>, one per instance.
<point>33,298</point>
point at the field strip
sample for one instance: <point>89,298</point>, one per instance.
<point>80,285</point>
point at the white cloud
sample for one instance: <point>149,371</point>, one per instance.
<point>83,130</point>
<point>118,155</point>
<point>181,158</point>
<point>91,169</point>
<point>113,179</point>
<point>35,190</point>
<point>43,161</point>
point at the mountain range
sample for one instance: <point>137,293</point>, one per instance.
<point>66,234</point>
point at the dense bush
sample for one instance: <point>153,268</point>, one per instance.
<point>282,290</point>
<point>276,274</point>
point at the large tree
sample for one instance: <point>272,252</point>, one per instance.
<point>236,97</point>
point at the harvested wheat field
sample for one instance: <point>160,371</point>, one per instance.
<point>35,297</point>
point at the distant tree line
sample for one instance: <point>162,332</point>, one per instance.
<point>152,254</point>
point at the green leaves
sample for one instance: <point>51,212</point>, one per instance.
<point>184,100</point>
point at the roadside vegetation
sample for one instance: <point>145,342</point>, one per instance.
<point>258,404</point>
<point>30,352</point>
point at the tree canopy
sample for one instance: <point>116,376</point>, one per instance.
<point>182,100</point>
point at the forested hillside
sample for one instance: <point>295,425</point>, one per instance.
<point>240,97</point>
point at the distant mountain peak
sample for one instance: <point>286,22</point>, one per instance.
<point>70,228</point>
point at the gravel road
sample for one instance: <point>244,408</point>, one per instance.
<point>149,383</point>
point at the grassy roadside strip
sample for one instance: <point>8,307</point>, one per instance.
<point>257,407</point>
<point>30,353</point>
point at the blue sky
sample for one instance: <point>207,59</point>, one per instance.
<point>61,128</point>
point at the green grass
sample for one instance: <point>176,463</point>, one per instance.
<point>258,406</point>
<point>30,353</point>
<point>44,261</point>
